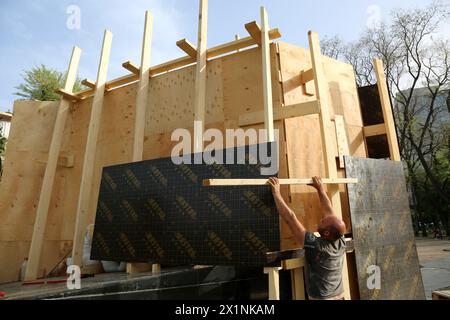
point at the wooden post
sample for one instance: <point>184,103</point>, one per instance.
<point>322,89</point>
<point>89,155</point>
<point>387,111</point>
<point>274,282</point>
<point>297,284</point>
<point>140,116</point>
<point>267,78</point>
<point>200,75</point>
<point>50,170</point>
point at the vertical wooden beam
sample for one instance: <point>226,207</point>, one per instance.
<point>200,75</point>
<point>267,78</point>
<point>50,170</point>
<point>143,88</point>
<point>90,151</point>
<point>140,116</point>
<point>274,282</point>
<point>322,89</point>
<point>297,284</point>
<point>341,138</point>
<point>387,110</point>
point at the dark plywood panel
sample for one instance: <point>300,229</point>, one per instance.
<point>382,229</point>
<point>158,211</point>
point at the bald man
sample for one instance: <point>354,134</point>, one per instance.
<point>324,255</point>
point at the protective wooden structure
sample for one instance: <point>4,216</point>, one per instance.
<point>250,82</point>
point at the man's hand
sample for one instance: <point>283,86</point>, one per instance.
<point>275,184</point>
<point>317,183</point>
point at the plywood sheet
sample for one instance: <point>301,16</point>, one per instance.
<point>383,235</point>
<point>158,211</point>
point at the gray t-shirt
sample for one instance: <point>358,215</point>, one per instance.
<point>324,260</point>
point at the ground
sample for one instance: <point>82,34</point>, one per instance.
<point>434,259</point>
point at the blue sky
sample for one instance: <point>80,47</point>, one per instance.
<point>35,32</point>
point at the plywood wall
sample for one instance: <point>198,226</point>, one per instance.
<point>234,87</point>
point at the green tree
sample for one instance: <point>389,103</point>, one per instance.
<point>40,83</point>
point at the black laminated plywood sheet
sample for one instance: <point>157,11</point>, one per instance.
<point>383,235</point>
<point>158,211</point>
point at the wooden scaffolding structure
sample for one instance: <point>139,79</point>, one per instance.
<point>249,82</point>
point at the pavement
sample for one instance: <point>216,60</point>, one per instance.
<point>434,259</point>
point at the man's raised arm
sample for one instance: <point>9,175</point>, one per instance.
<point>327,208</point>
<point>298,230</point>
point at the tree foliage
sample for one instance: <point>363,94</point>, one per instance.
<point>40,83</point>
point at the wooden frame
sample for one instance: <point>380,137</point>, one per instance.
<point>90,152</point>
<point>267,78</point>
<point>50,170</point>
<point>280,113</point>
<point>387,111</point>
<point>200,76</point>
<point>187,47</point>
<point>130,66</point>
<point>182,62</point>
<point>142,97</point>
<point>375,130</point>
<point>258,182</point>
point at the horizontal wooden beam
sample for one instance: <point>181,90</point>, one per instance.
<point>182,62</point>
<point>375,130</point>
<point>187,47</point>
<point>67,95</point>
<point>130,66</point>
<point>280,113</point>
<point>255,31</point>
<point>306,76</point>
<point>88,83</point>
<point>64,160</point>
<point>259,182</point>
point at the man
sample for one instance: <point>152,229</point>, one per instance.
<point>324,256</point>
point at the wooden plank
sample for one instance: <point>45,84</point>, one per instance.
<point>441,294</point>
<point>291,264</point>
<point>187,47</point>
<point>297,284</point>
<point>130,66</point>
<point>182,62</point>
<point>274,282</point>
<point>50,170</point>
<point>387,111</point>
<point>280,113</point>
<point>267,77</point>
<point>88,83</point>
<point>383,233</point>
<point>142,96</point>
<point>255,31</point>
<point>66,161</point>
<point>322,89</point>
<point>342,140</point>
<point>306,76</point>
<point>143,89</point>
<point>200,76</point>
<point>90,152</point>
<point>67,95</point>
<point>258,182</point>
<point>374,130</point>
